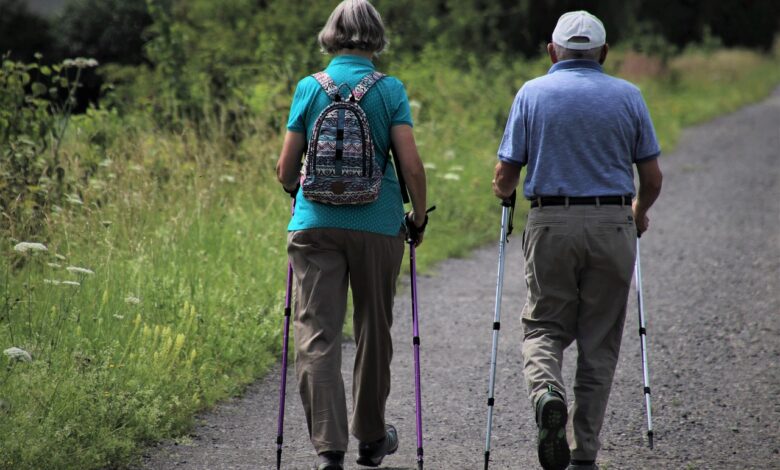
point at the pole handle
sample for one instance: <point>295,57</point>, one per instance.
<point>510,204</point>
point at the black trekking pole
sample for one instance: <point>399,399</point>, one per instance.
<point>283,385</point>
<point>411,238</point>
<point>507,213</point>
<point>643,345</point>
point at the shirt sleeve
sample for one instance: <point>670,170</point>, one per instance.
<point>513,145</point>
<point>403,112</point>
<point>296,121</point>
<point>647,146</point>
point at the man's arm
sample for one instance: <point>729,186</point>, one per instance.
<point>289,165</point>
<point>506,179</point>
<point>650,180</point>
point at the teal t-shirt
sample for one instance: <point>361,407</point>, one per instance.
<point>385,105</point>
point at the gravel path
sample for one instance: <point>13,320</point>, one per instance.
<point>711,268</point>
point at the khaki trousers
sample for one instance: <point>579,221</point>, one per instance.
<point>325,262</point>
<point>579,265</point>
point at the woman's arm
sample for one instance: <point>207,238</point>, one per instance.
<point>412,168</point>
<point>289,165</point>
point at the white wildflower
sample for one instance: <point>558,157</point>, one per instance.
<point>429,166</point>
<point>451,176</point>
<point>78,270</point>
<point>52,282</point>
<point>59,256</point>
<point>449,154</point>
<point>70,283</point>
<point>132,300</point>
<point>18,354</point>
<point>24,247</point>
<point>227,179</point>
<point>414,104</point>
<point>80,63</point>
<point>456,168</point>
<point>54,265</point>
<point>74,199</point>
<point>119,317</point>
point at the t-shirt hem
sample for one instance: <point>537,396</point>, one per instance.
<point>389,233</point>
<point>510,161</point>
<point>647,158</point>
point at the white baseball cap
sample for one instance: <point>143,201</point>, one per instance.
<point>579,30</point>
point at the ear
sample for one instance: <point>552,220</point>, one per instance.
<point>604,51</point>
<point>551,52</point>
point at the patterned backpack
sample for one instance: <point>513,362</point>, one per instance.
<point>340,167</point>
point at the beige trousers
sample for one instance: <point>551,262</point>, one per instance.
<point>579,265</point>
<point>325,262</point>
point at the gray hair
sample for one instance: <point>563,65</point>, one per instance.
<point>354,24</point>
<point>564,53</point>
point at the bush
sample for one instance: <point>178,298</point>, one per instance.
<point>33,123</point>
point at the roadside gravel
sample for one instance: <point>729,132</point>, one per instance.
<point>711,268</point>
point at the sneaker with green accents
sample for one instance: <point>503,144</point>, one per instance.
<point>551,416</point>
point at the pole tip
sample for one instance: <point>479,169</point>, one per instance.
<point>278,459</point>
<point>650,439</point>
<point>419,465</point>
<point>487,459</point>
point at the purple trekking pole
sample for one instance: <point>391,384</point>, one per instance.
<point>283,386</point>
<point>411,238</point>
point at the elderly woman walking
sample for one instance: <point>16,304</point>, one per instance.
<point>338,239</point>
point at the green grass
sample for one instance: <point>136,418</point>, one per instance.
<point>188,251</point>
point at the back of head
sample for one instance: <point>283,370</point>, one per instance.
<point>353,24</point>
<point>579,35</point>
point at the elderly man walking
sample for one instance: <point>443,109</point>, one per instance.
<point>579,132</point>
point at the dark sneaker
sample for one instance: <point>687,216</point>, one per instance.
<point>551,418</point>
<point>370,454</point>
<point>331,461</point>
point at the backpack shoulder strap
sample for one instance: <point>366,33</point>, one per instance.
<point>399,174</point>
<point>365,84</point>
<point>327,84</point>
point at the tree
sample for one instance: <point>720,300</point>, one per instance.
<point>22,32</point>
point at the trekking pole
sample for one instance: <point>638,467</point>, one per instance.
<point>283,386</point>
<point>507,213</point>
<point>643,344</point>
<point>416,340</point>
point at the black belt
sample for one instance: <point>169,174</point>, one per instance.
<point>580,201</point>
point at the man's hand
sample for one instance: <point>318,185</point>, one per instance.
<point>641,220</point>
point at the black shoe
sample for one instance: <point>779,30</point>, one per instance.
<point>551,419</point>
<point>331,461</point>
<point>370,454</point>
<point>583,465</point>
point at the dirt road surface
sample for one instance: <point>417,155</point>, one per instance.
<point>711,268</point>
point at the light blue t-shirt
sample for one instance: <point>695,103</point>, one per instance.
<point>578,131</point>
<point>385,105</point>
